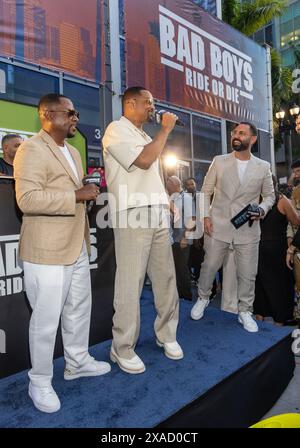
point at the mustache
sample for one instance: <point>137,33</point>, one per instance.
<point>236,141</point>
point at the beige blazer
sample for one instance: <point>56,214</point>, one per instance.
<point>230,196</point>
<point>54,226</point>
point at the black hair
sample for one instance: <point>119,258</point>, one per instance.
<point>131,92</point>
<point>295,164</point>
<point>251,126</point>
<point>50,98</point>
<point>8,137</point>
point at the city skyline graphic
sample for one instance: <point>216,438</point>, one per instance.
<point>54,34</point>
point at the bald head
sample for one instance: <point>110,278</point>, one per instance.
<point>174,185</point>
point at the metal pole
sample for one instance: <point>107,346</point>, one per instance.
<point>270,108</point>
<point>288,149</point>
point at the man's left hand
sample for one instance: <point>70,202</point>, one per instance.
<point>255,216</point>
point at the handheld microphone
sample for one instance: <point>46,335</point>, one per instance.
<point>93,178</point>
<point>158,117</point>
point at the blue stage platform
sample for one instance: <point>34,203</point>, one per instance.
<point>216,348</point>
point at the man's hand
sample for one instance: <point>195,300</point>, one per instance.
<point>208,226</point>
<point>168,121</point>
<point>183,243</point>
<point>289,260</point>
<point>256,217</point>
<point>87,193</point>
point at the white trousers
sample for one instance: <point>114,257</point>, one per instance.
<point>56,292</point>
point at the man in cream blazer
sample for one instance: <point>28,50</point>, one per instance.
<point>54,246</point>
<point>235,180</point>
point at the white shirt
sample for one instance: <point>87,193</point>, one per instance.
<point>242,166</point>
<point>131,186</point>
<point>69,158</point>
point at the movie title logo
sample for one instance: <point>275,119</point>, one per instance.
<point>207,63</point>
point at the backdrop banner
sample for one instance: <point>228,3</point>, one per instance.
<point>187,57</point>
<point>60,34</point>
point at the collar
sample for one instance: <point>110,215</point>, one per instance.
<point>129,124</point>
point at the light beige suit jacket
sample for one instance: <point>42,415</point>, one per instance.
<point>54,226</point>
<point>230,196</point>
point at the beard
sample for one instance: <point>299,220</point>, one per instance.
<point>237,145</point>
<point>296,182</point>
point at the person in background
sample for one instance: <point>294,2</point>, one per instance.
<point>9,144</point>
<point>196,252</point>
<point>181,244</point>
<point>274,287</point>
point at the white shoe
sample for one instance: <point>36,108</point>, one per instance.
<point>134,365</point>
<point>198,309</point>
<point>91,368</point>
<point>245,318</point>
<point>44,398</point>
<point>172,349</point>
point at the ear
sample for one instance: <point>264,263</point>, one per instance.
<point>253,139</point>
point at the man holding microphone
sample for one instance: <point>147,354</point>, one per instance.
<point>139,206</point>
<point>54,246</point>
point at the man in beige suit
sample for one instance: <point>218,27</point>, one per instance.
<point>235,180</point>
<point>137,199</point>
<point>54,246</point>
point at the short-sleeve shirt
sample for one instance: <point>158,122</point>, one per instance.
<point>130,186</point>
<point>6,168</point>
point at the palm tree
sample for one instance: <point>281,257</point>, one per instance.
<point>251,16</point>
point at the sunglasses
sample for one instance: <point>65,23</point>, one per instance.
<point>70,112</point>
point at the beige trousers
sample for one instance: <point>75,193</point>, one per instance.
<point>140,250</point>
<point>246,259</point>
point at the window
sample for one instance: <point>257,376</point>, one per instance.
<point>200,170</point>
<point>27,86</point>
<point>269,35</point>
<point>296,9</point>
<point>86,100</point>
<point>287,58</point>
<point>206,138</point>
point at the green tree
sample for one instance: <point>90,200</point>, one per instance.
<point>251,16</point>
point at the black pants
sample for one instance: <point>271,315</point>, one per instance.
<point>181,258</point>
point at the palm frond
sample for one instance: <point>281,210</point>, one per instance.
<point>251,17</point>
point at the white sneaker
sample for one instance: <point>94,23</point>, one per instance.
<point>198,309</point>
<point>44,398</point>
<point>134,365</point>
<point>245,318</point>
<point>172,349</point>
<point>91,368</point>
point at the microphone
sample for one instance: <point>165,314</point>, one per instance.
<point>158,117</point>
<point>93,178</point>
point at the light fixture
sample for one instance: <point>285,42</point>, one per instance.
<point>280,115</point>
<point>170,161</point>
<point>294,110</point>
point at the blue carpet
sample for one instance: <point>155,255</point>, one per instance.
<point>214,348</point>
